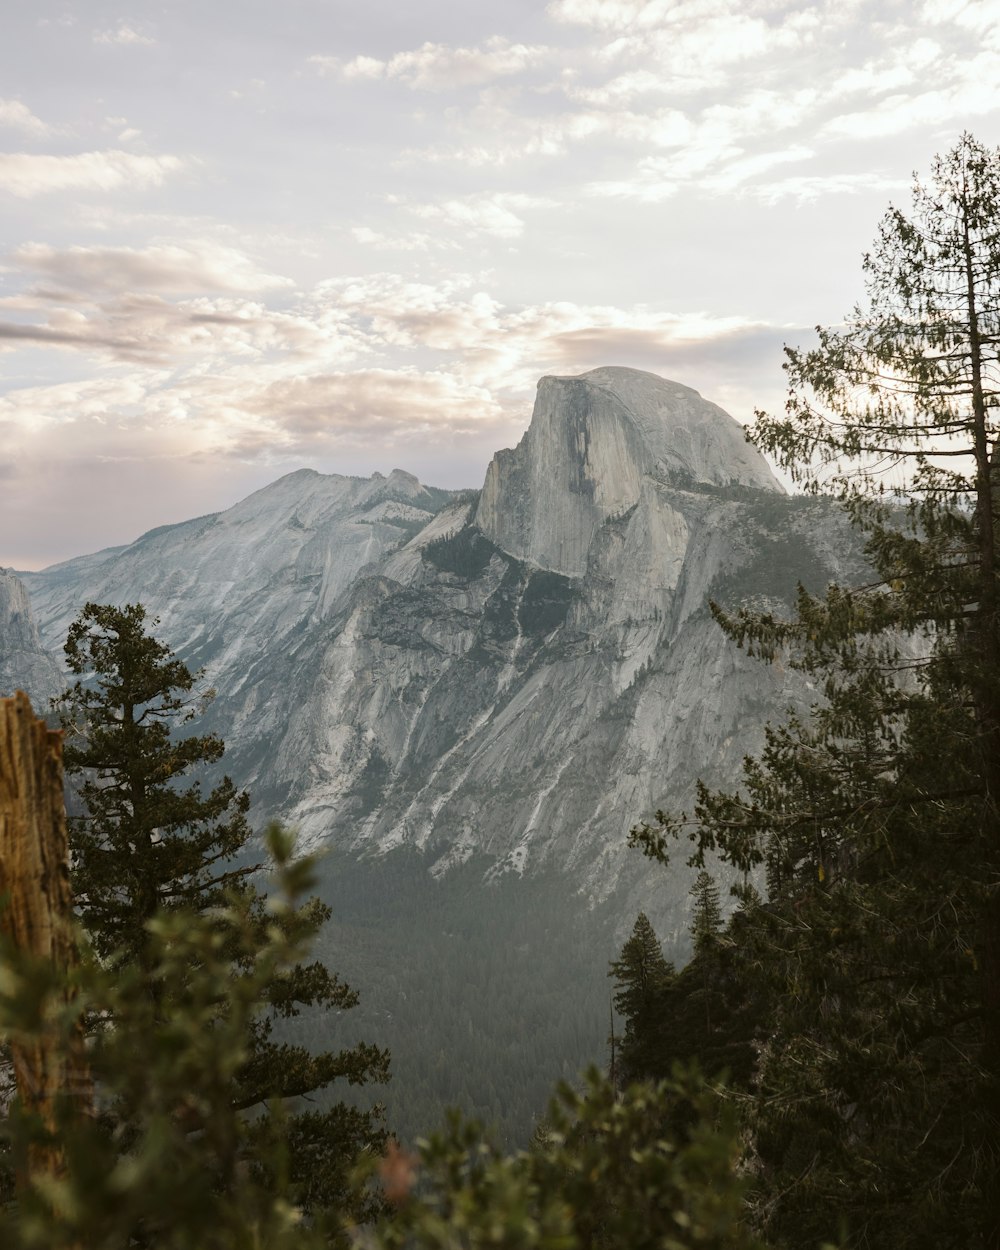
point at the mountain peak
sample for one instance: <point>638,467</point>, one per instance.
<point>595,439</point>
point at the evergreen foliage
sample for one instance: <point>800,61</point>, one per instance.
<point>710,1013</point>
<point>147,844</point>
<point>707,918</point>
<point>875,823</point>
<point>143,841</point>
<point>608,1172</point>
<point>165,1158</point>
<point>642,974</point>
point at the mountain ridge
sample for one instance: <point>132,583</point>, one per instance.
<point>468,721</point>
<point>401,665</point>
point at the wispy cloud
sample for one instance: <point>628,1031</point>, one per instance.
<point>372,403</point>
<point>203,357</point>
<point>439,66</point>
<point>966,90</point>
<point>123,34</point>
<point>15,115</point>
<point>174,268</point>
<point>494,214</point>
<point>410,241</point>
<point>611,14</point>
<point>26,174</point>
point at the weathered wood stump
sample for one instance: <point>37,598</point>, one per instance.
<point>36,913</point>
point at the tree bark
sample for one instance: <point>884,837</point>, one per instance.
<point>50,1070</point>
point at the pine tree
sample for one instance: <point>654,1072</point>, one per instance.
<point>876,820</point>
<point>146,843</point>
<point>170,1162</point>
<point>143,841</point>
<point>924,759</point>
<point>642,974</point>
<point>706,920</point>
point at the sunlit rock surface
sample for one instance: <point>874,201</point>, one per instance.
<point>523,673</point>
<point>25,664</point>
<point>595,445</point>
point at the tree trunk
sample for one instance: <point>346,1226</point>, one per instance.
<point>37,918</point>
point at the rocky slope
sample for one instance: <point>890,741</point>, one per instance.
<point>25,664</point>
<point>521,674</point>
<point>595,444</point>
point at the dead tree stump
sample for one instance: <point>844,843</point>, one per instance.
<point>37,914</point>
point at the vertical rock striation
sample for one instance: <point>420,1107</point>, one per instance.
<point>594,440</point>
<point>25,664</point>
<point>521,676</point>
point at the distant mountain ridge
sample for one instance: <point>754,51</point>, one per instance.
<point>520,674</point>
<point>25,663</point>
<point>469,697</point>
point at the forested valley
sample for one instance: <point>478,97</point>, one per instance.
<point>825,1068</point>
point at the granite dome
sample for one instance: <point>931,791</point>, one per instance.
<point>595,442</point>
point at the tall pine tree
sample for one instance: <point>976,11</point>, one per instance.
<point>143,841</point>
<point>146,841</point>
<point>876,821</point>
<point>642,974</point>
<point>706,919</point>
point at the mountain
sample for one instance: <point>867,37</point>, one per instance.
<point>595,447</point>
<point>25,664</point>
<point>490,687</point>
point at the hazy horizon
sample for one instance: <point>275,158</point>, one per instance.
<point>351,238</point>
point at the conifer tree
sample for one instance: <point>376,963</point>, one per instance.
<point>170,1162</point>
<point>143,840</point>
<point>147,842</point>
<point>706,920</point>
<point>641,975</point>
<point>876,820</point>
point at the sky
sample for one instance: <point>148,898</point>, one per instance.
<point>238,238</point>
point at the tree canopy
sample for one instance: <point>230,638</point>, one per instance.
<point>147,843</point>
<point>875,822</point>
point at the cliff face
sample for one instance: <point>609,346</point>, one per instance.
<point>594,443</point>
<point>498,684</point>
<point>25,664</point>
<point>524,675</point>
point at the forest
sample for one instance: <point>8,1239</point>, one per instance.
<point>825,1069</point>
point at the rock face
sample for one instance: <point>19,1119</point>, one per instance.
<point>594,443</point>
<point>24,662</point>
<point>521,675</point>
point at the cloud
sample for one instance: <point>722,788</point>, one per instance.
<point>500,136</point>
<point>453,346</point>
<point>808,188</point>
<point>624,89</point>
<point>123,34</point>
<point>24,175</point>
<point>486,213</point>
<point>165,268</point>
<point>610,14</point>
<point>145,329</point>
<point>414,241</point>
<point>470,333</point>
<point>439,66</point>
<point>976,15</point>
<point>505,348</point>
<point>15,115</point>
<point>970,93</point>
<point>34,408</point>
<point>373,403</point>
<point>715,81</point>
<point>699,50</point>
